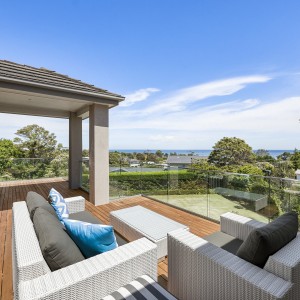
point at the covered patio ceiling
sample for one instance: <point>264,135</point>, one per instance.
<point>34,91</point>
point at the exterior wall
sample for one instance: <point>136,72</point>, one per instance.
<point>99,154</point>
<point>75,150</point>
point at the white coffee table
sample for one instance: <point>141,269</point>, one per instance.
<point>137,222</point>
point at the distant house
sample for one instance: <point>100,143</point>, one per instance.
<point>134,163</point>
<point>297,173</point>
<point>183,161</point>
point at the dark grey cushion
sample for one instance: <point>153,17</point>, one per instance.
<point>35,200</point>
<point>265,241</point>
<point>224,241</point>
<point>86,216</point>
<point>57,247</point>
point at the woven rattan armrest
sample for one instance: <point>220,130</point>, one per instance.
<point>201,270</point>
<point>285,263</point>
<point>75,204</point>
<point>95,277</point>
<point>238,226</point>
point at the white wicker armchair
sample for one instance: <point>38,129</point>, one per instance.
<point>201,270</point>
<point>92,278</point>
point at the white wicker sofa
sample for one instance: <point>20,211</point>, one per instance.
<point>200,270</point>
<point>93,278</point>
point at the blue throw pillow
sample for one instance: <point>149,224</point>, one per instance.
<point>91,239</point>
<point>59,204</point>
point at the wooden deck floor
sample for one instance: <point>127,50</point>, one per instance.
<point>16,191</point>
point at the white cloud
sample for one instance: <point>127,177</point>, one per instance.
<point>230,115</point>
<point>262,124</point>
<point>138,96</point>
<point>180,99</point>
<point>170,111</point>
<point>160,137</point>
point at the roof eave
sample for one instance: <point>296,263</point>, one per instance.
<point>115,97</point>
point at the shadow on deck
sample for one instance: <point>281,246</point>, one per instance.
<point>17,190</point>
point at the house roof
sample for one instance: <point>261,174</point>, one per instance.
<point>115,170</point>
<point>133,160</point>
<point>183,159</point>
<point>32,75</point>
<point>42,92</point>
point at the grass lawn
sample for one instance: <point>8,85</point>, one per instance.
<point>212,205</point>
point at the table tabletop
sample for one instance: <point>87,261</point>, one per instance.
<point>148,222</point>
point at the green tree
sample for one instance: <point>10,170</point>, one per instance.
<point>250,169</point>
<point>141,157</point>
<point>85,153</point>
<point>159,153</point>
<point>239,182</point>
<point>284,169</point>
<point>8,151</point>
<point>266,167</point>
<point>115,159</point>
<point>36,142</point>
<point>284,156</point>
<point>263,155</point>
<point>58,166</point>
<point>202,164</point>
<point>262,152</point>
<point>152,157</point>
<point>231,151</point>
<point>295,159</point>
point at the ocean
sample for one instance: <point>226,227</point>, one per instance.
<point>273,153</point>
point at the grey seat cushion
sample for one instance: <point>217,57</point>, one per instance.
<point>57,247</point>
<point>265,241</point>
<point>86,216</point>
<point>224,241</point>
<point>35,200</point>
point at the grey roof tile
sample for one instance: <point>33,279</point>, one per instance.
<point>14,71</point>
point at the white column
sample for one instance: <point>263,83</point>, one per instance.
<point>75,150</point>
<point>99,154</point>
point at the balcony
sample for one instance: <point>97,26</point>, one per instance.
<point>205,193</point>
<point>11,191</point>
<point>195,198</point>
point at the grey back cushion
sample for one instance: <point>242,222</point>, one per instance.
<point>57,247</point>
<point>265,241</point>
<point>35,200</point>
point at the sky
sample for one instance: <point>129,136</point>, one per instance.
<point>192,71</point>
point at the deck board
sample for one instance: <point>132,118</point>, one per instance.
<point>16,191</point>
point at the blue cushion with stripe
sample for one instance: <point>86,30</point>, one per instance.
<point>59,204</point>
